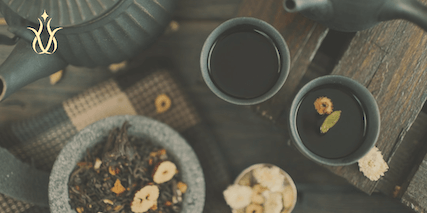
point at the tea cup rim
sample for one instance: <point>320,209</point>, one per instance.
<point>369,105</point>
<point>266,28</point>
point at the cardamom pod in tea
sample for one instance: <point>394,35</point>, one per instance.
<point>330,121</point>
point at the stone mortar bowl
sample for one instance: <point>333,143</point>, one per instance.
<point>142,127</point>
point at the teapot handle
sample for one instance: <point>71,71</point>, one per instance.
<point>411,10</point>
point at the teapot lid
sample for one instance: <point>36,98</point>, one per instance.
<point>63,13</point>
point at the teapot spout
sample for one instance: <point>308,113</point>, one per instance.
<point>24,66</point>
<point>318,9</point>
<point>410,10</point>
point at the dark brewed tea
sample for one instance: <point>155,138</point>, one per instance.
<point>244,63</point>
<point>343,138</point>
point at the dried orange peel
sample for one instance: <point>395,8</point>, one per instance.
<point>118,187</point>
<point>323,105</point>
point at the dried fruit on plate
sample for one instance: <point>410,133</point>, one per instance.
<point>238,196</point>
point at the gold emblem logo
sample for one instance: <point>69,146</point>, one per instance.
<point>52,39</point>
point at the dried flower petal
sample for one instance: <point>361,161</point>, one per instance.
<point>271,178</point>
<point>118,188</point>
<point>108,201</point>
<point>257,198</point>
<point>323,105</point>
<point>80,209</point>
<point>118,208</point>
<point>98,163</point>
<point>273,203</point>
<point>182,187</point>
<point>117,67</point>
<point>238,196</point>
<point>55,77</point>
<point>111,171</point>
<point>372,165</point>
<point>288,197</point>
<point>396,191</point>
<point>258,188</point>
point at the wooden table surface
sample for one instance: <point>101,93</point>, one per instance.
<point>389,59</point>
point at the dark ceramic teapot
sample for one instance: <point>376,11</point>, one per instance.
<point>355,15</point>
<point>53,34</point>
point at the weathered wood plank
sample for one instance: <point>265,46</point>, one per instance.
<point>405,159</point>
<point>303,38</point>
<point>390,60</point>
<point>416,194</point>
<point>327,199</point>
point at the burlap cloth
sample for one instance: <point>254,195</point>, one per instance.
<point>37,141</point>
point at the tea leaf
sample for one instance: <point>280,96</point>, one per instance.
<point>330,121</point>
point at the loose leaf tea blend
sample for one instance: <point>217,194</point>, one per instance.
<point>126,174</point>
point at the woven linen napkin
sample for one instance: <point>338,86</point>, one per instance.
<point>150,90</point>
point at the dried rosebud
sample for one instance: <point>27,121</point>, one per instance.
<point>164,171</point>
<point>145,198</point>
